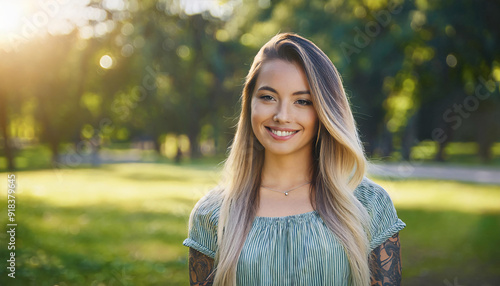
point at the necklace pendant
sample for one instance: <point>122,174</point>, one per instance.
<point>286,193</point>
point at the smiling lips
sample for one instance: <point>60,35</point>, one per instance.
<point>281,134</point>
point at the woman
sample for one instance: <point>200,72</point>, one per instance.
<point>294,206</point>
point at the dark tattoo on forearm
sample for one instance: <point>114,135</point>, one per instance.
<point>385,263</point>
<point>200,268</point>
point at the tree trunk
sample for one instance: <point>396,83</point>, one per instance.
<point>194,146</point>
<point>386,147</point>
<point>157,145</point>
<point>440,155</point>
<point>4,126</point>
<point>409,138</point>
<point>95,144</point>
<point>485,137</point>
<point>54,148</point>
<point>178,156</point>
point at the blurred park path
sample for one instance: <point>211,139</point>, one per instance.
<point>397,170</point>
<point>403,170</point>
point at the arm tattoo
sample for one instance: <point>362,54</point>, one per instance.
<point>200,269</point>
<point>385,263</point>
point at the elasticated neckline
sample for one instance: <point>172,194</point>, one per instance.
<point>289,217</point>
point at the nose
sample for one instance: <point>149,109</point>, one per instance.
<point>282,113</point>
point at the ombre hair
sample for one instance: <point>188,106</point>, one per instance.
<point>339,164</point>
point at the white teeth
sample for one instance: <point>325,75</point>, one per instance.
<point>282,133</point>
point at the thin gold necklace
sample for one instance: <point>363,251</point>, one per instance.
<point>285,192</point>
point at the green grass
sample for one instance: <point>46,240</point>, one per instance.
<point>124,224</point>
<point>453,230</point>
<point>117,225</point>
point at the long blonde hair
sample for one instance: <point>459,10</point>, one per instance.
<point>339,164</point>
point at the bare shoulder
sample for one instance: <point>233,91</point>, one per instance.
<point>200,268</point>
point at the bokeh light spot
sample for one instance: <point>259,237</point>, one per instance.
<point>183,51</point>
<point>360,12</point>
<point>451,60</point>
<point>222,35</point>
<point>106,62</point>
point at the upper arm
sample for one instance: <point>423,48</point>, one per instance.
<point>200,268</point>
<point>385,263</point>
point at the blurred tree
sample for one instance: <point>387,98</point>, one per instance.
<point>458,83</point>
<point>12,85</point>
<point>55,79</point>
<point>398,60</point>
<point>413,70</point>
<point>187,68</point>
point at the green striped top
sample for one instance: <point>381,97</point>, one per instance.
<point>296,249</point>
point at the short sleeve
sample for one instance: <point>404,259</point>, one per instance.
<point>384,219</point>
<point>202,230</point>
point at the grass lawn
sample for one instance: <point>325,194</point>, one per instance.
<point>123,224</point>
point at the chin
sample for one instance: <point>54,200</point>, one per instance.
<point>281,150</point>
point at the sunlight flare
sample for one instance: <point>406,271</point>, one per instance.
<point>10,16</point>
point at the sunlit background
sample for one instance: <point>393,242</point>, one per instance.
<point>115,115</point>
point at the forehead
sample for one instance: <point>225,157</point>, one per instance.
<point>282,75</point>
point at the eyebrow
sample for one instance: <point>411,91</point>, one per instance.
<point>268,88</point>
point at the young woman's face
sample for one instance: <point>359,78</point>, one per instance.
<point>283,117</point>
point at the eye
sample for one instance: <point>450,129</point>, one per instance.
<point>266,97</point>
<point>304,102</point>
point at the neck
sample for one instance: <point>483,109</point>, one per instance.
<point>286,171</point>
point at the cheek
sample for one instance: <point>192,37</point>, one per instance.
<point>311,120</point>
<point>254,117</point>
<point>258,113</point>
<point>253,122</point>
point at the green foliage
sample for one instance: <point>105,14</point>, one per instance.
<point>405,65</point>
